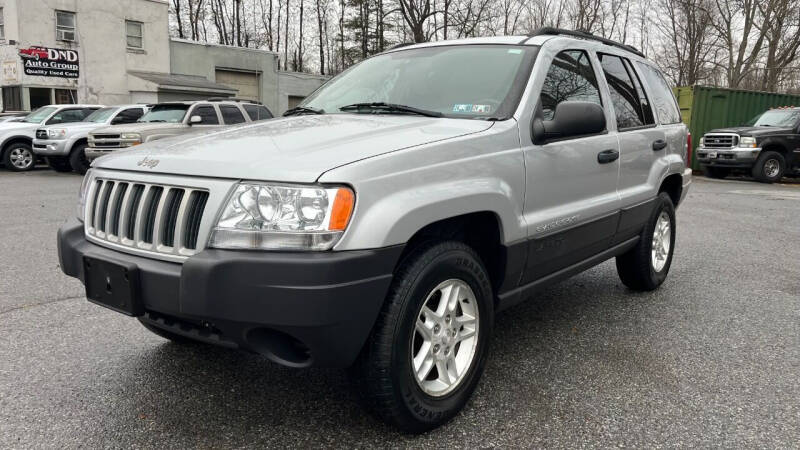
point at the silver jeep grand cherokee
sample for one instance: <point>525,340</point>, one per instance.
<point>384,222</point>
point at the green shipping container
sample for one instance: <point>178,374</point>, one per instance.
<point>704,108</point>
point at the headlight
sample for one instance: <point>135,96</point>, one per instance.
<point>747,142</point>
<point>82,195</point>
<point>273,217</point>
<point>134,136</point>
<point>701,142</point>
<point>56,133</point>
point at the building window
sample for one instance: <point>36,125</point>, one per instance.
<point>133,32</point>
<point>12,98</point>
<point>2,25</point>
<point>65,26</point>
<point>66,97</point>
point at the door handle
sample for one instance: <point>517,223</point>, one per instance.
<point>607,156</point>
<point>659,144</point>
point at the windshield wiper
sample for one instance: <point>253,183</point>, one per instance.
<point>389,107</point>
<point>303,110</point>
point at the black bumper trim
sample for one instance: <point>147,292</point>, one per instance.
<point>328,301</point>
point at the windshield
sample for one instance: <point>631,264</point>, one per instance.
<point>166,113</point>
<point>40,114</point>
<point>777,118</point>
<point>465,81</point>
<point>100,116</point>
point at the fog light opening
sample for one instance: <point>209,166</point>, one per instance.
<point>279,347</point>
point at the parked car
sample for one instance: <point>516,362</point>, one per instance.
<point>172,119</point>
<point>63,145</point>
<point>382,223</point>
<point>16,138</point>
<point>767,149</point>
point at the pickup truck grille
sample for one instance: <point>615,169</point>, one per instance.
<point>105,136</point>
<point>720,140</point>
<point>159,218</point>
<point>41,134</point>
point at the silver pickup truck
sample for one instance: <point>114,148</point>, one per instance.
<point>173,119</point>
<point>382,223</point>
<point>63,145</point>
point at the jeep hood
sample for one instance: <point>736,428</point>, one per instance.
<point>291,149</point>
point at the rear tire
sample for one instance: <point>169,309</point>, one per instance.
<point>716,172</point>
<point>645,266</point>
<point>19,157</point>
<point>59,163</point>
<point>78,160</point>
<point>412,371</point>
<point>769,167</point>
<point>177,338</point>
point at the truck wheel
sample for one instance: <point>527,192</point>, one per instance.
<point>645,266</point>
<point>58,163</point>
<point>19,157</point>
<point>716,172</point>
<point>769,167</point>
<point>78,160</point>
<point>430,342</point>
<point>177,338</point>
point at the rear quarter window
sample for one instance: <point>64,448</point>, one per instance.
<point>663,100</point>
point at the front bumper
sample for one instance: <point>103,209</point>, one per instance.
<point>729,157</point>
<point>298,309</point>
<point>48,147</point>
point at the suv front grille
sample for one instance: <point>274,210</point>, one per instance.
<point>41,134</point>
<point>159,218</point>
<point>720,141</point>
<point>105,136</point>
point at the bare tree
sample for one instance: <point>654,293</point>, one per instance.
<point>691,42</point>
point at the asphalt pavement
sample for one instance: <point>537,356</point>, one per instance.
<point>711,359</point>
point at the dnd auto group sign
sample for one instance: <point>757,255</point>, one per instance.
<point>50,62</point>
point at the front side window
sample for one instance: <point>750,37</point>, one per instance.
<point>624,96</point>
<point>129,115</point>
<point>207,114</point>
<point>134,34</point>
<point>663,100</point>
<point>460,81</point>
<point>171,113</point>
<point>231,114</point>
<point>65,26</point>
<point>570,78</point>
<point>40,114</point>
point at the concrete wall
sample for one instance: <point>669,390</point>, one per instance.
<point>195,58</point>
<point>100,42</point>
<point>296,84</point>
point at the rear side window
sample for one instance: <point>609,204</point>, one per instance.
<point>231,114</point>
<point>570,78</point>
<point>208,114</point>
<point>663,100</point>
<point>129,115</point>
<point>624,94</point>
<point>257,112</point>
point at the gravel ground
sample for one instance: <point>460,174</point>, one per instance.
<point>709,360</point>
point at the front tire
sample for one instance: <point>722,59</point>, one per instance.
<point>645,266</point>
<point>769,167</point>
<point>19,157</point>
<point>430,342</point>
<point>78,160</point>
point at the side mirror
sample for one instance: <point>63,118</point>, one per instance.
<point>194,120</point>
<point>571,119</point>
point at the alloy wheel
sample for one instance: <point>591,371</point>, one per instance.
<point>662,242</point>
<point>21,158</point>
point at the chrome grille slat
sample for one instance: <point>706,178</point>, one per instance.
<point>151,217</point>
<point>720,140</point>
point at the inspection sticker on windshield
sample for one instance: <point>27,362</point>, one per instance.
<point>470,108</point>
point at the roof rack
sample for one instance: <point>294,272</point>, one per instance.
<point>233,99</point>
<point>551,31</point>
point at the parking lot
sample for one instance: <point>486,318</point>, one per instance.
<point>709,360</point>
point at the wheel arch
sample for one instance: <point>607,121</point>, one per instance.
<point>673,185</point>
<point>13,140</point>
<point>76,142</point>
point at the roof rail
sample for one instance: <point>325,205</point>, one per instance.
<point>551,31</point>
<point>232,99</point>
